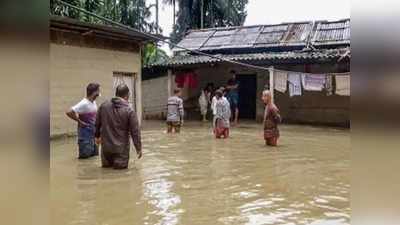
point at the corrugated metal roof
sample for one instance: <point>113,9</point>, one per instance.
<point>265,36</point>
<point>328,33</point>
<point>324,54</point>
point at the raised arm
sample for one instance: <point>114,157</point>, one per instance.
<point>74,116</point>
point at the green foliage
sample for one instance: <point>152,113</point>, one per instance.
<point>93,6</point>
<point>62,10</point>
<point>133,13</point>
<point>153,55</point>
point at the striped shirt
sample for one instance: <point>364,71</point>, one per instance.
<point>175,109</point>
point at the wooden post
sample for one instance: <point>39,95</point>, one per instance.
<point>201,14</point>
<point>138,88</point>
<point>271,82</point>
<point>157,17</point>
<point>169,83</point>
<point>173,21</point>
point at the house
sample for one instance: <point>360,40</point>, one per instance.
<point>81,53</point>
<point>319,47</point>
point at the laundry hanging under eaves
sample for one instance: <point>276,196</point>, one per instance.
<point>294,80</point>
<point>313,82</point>
<point>280,81</point>
<point>329,85</point>
<point>342,85</point>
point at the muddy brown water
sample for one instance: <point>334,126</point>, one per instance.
<point>193,178</point>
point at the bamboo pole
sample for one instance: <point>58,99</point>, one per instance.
<point>202,14</point>
<point>271,82</point>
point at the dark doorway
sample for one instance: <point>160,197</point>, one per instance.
<point>247,96</point>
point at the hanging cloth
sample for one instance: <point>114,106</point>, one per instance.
<point>187,80</point>
<point>191,80</point>
<point>180,80</point>
<point>294,84</point>
<point>328,85</point>
<point>280,81</point>
<point>342,85</point>
<point>313,82</point>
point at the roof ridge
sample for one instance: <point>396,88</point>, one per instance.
<point>271,24</point>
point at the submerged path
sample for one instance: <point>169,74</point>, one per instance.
<point>195,179</point>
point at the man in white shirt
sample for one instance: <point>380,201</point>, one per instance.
<point>175,112</point>
<point>84,113</point>
<point>214,103</point>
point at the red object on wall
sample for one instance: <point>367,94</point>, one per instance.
<point>188,79</point>
<point>180,80</point>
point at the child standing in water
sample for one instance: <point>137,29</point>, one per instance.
<point>222,116</point>
<point>175,112</point>
<point>204,99</point>
<point>271,120</point>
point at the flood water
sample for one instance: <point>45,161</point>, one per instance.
<point>192,178</point>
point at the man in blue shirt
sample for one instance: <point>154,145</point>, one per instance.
<point>233,97</point>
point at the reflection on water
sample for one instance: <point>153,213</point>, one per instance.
<point>193,178</point>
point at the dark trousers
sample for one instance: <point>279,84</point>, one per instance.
<point>115,160</point>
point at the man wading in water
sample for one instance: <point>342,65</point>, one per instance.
<point>222,116</point>
<point>85,114</point>
<point>115,122</point>
<point>271,120</point>
<point>175,112</point>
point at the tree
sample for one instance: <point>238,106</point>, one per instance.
<point>93,6</point>
<point>153,55</point>
<point>216,13</point>
<point>63,10</point>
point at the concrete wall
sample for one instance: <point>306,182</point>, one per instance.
<point>155,95</point>
<point>73,67</point>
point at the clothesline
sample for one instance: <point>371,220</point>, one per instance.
<point>296,82</point>
<point>322,73</point>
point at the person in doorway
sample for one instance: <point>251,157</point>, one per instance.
<point>223,114</point>
<point>116,121</point>
<point>204,101</point>
<point>175,112</point>
<point>233,97</point>
<point>271,120</point>
<point>210,87</point>
<point>84,113</point>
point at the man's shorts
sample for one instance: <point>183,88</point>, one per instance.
<point>234,103</point>
<point>174,125</point>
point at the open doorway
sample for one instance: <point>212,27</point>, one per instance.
<point>247,96</point>
<point>130,80</point>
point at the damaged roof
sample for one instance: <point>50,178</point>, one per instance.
<point>297,34</point>
<point>328,33</point>
<point>276,57</point>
